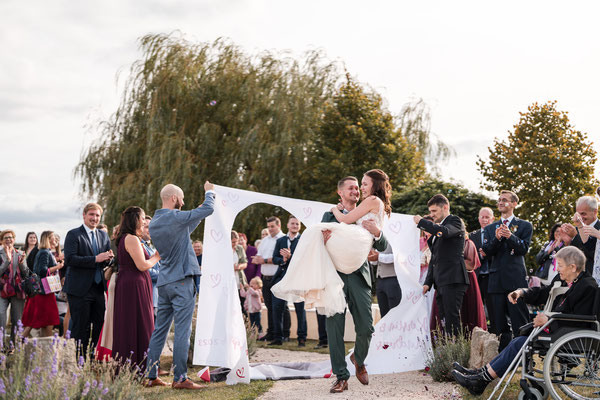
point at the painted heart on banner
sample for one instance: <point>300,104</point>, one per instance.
<point>216,279</point>
<point>240,373</point>
<point>224,203</point>
<point>216,235</point>
<point>395,227</point>
<point>307,211</point>
<point>412,260</point>
<point>233,197</point>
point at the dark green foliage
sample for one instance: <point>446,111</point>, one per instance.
<point>358,134</point>
<point>464,203</point>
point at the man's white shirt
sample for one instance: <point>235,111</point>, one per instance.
<point>265,250</point>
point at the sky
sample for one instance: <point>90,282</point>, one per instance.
<point>477,64</point>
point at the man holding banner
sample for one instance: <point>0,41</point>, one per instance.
<point>170,230</point>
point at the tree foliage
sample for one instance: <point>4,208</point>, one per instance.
<point>463,202</point>
<point>547,162</point>
<point>269,123</point>
<point>208,111</point>
<point>359,134</point>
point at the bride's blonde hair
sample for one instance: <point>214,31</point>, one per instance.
<point>381,188</point>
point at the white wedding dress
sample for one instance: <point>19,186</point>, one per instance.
<point>311,276</point>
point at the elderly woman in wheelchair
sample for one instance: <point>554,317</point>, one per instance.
<point>573,292</point>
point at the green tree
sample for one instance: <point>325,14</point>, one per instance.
<point>193,112</point>
<point>547,162</point>
<point>358,134</point>
<point>463,202</point>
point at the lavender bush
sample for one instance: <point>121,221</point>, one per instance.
<point>29,370</point>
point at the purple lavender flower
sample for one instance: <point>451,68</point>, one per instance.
<point>94,383</point>
<point>105,391</point>
<point>68,334</point>
<point>2,387</point>
<point>35,341</point>
<point>100,385</point>
<point>86,389</point>
<point>81,361</point>
<point>27,382</point>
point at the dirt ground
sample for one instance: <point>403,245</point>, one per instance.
<point>406,385</point>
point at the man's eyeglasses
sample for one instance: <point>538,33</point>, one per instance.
<point>8,238</point>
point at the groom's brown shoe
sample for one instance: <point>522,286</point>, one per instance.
<point>339,386</point>
<point>361,372</point>
<point>155,382</point>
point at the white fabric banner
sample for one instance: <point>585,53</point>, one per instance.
<point>401,338</point>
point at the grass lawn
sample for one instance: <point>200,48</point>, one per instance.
<point>214,391</point>
<point>310,346</point>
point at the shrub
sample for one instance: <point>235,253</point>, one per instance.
<point>251,336</point>
<point>447,349</point>
<point>31,371</point>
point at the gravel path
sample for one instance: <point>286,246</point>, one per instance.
<point>406,385</point>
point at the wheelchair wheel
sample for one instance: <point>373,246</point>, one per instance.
<point>537,395</point>
<point>572,366</point>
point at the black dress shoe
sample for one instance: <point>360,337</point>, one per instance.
<point>475,384</point>
<point>286,339</point>
<point>275,343</point>
<point>301,343</point>
<point>266,338</point>
<point>321,346</point>
<point>465,371</point>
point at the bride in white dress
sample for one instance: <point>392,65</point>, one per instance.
<point>312,274</point>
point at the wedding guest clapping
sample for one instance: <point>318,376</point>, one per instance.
<point>12,272</point>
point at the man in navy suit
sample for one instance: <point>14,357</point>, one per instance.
<point>87,251</point>
<point>507,241</point>
<point>284,249</point>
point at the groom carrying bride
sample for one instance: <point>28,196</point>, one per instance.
<point>357,289</point>
<point>330,271</point>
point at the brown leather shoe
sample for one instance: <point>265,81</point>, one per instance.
<point>155,382</point>
<point>162,372</point>
<point>187,384</point>
<point>361,372</point>
<point>339,386</point>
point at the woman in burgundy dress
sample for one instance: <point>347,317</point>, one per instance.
<point>133,311</point>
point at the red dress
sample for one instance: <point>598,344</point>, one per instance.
<point>41,310</point>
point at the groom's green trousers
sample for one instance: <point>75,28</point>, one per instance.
<point>357,289</point>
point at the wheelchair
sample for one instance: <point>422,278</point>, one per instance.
<point>569,357</point>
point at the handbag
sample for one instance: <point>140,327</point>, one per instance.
<point>8,290</point>
<point>51,284</point>
<point>32,285</point>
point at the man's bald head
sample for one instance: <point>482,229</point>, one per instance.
<point>170,190</point>
<point>171,196</point>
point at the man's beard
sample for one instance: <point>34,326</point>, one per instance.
<point>178,204</point>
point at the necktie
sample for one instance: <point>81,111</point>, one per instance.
<point>94,243</point>
<point>97,274</point>
<point>505,222</point>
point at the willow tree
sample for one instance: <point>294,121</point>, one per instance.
<point>547,162</point>
<point>358,133</point>
<point>192,112</point>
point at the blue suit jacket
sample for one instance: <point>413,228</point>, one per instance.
<point>81,262</point>
<point>282,243</point>
<point>507,267</point>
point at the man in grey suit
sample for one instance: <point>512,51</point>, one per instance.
<point>170,230</point>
